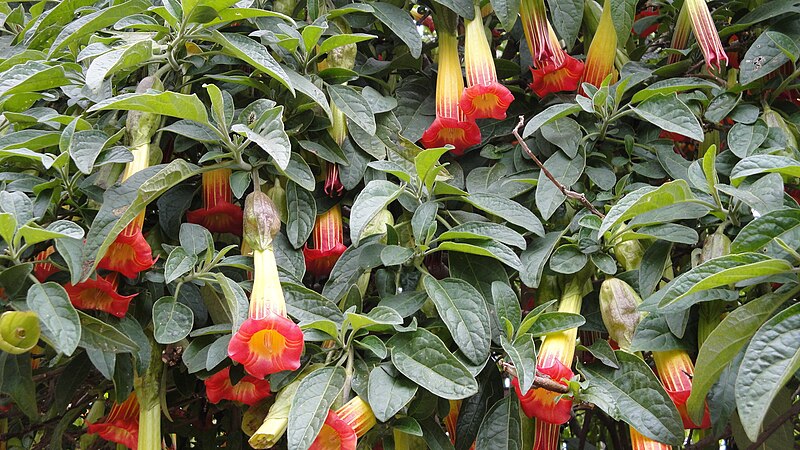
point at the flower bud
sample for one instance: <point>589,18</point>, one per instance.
<point>274,425</point>
<point>379,224</point>
<point>261,220</point>
<point>19,331</point>
<point>278,195</point>
<point>629,254</point>
<point>141,126</point>
<point>618,302</point>
<point>714,246</point>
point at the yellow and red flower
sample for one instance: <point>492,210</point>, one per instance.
<point>249,390</point>
<point>641,442</point>
<point>451,125</point>
<point>218,214</point>
<point>536,28</point>
<point>130,253</point>
<point>484,97</point>
<point>546,435</point>
<point>343,427</point>
<point>42,270</point>
<point>99,295</point>
<point>327,240</point>
<point>602,51</point>
<point>675,369</point>
<point>268,341</point>
<point>121,425</point>
<point>695,15</point>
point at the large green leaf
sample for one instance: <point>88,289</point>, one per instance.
<point>770,51</point>
<point>509,210</point>
<point>315,395</point>
<point>370,201</point>
<point>669,113</point>
<point>646,199</point>
<point>90,23</point>
<point>270,136</point>
<point>782,224</point>
<point>567,171</point>
<point>464,312</point>
<point>354,106</point>
<point>722,345</point>
<point>401,23</point>
<point>61,324</point>
<point>302,213</point>
<point>423,358</point>
<point>507,12</point>
<point>567,16</point>
<point>550,114</point>
<point>172,320</point>
<point>16,381</point>
<point>754,165</point>
<point>488,248</point>
<point>523,355</point>
<point>254,54</point>
<point>633,393</point>
<point>501,428</point>
<point>106,338</point>
<point>389,392</point>
<point>771,360</point>
<point>173,104</point>
<point>32,76</point>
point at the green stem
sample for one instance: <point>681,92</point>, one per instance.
<point>148,387</point>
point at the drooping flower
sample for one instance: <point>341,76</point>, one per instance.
<point>42,271</point>
<point>249,390</point>
<point>121,425</point>
<point>268,341</point>
<point>675,369</point>
<point>695,15</point>
<point>641,442</point>
<point>451,125</point>
<point>536,28</point>
<point>602,51</point>
<point>99,295</point>
<point>218,214</point>
<point>343,427</point>
<point>327,238</point>
<point>130,253</point>
<point>642,15</point>
<point>484,96</point>
<point>333,186</point>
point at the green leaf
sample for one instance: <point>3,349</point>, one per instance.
<point>567,16</point>
<point>523,354</point>
<point>507,11</point>
<point>254,54</point>
<point>646,199</point>
<point>350,266</point>
<point>463,8</point>
<point>781,224</point>
<point>315,395</point>
<point>622,14</point>
<point>61,325</point>
<point>671,232</point>
<point>770,51</point>
<point>307,306</point>
<point>375,196</point>
<point>343,39</point>
<point>172,320</point>
<point>754,165</point>
<point>506,304</point>
<point>8,225</point>
<point>389,392</point>
<point>669,113</point>
<point>395,255</point>
<point>171,104</point>
<point>567,171</point>
<point>308,88</point>
<point>401,23</point>
<point>488,248</point>
<point>464,312</point>
<point>502,427</point>
<point>270,136</point>
<point>302,213</point>
<point>423,358</point>
<point>744,139</point>
<point>59,229</point>
<point>195,239</point>
<point>722,271</point>
<point>633,394</point>
<point>354,106</point>
<point>671,85</point>
<point>423,222</point>
<point>179,263</point>
<point>426,165</point>
<point>508,210</point>
<point>568,259</point>
<point>122,58</point>
<point>535,256</point>
<point>771,360</point>
<point>722,345</point>
<point>551,322</point>
<point>484,230</point>
<point>103,337</point>
<point>548,115</point>
<point>378,318</point>
<point>85,147</point>
<point>604,353</point>
<point>564,133</point>
<point>374,344</point>
<point>16,380</point>
<point>32,76</point>
<point>88,24</point>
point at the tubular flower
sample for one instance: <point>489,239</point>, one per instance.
<point>602,51</point>
<point>561,73</point>
<point>335,434</point>
<point>218,214</point>
<point>451,125</point>
<point>484,97</point>
<point>358,415</point>
<point>268,341</point>
<point>546,435</point>
<point>121,425</point>
<point>695,15</point>
<point>327,243</point>
<point>129,254</point>
<point>99,295</point>
<point>333,186</point>
<point>675,369</point>
<point>42,271</point>
<point>249,390</point>
<point>648,12</point>
<point>338,131</point>
<point>536,29</point>
<point>554,359</point>
<point>640,442</point>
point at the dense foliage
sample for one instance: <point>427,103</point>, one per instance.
<point>299,224</point>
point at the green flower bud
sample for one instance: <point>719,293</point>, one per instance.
<point>19,331</point>
<point>141,126</point>
<point>274,425</point>
<point>379,224</point>
<point>714,246</point>
<point>618,302</point>
<point>278,195</point>
<point>629,254</point>
<point>261,220</point>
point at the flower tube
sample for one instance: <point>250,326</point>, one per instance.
<point>484,97</point>
<point>675,369</point>
<point>218,214</point>
<point>121,425</point>
<point>327,243</point>
<point>560,73</point>
<point>451,125</point>
<point>536,28</point>
<point>640,442</point>
<point>343,427</point>
<point>695,15</point>
<point>268,341</point>
<point>43,270</point>
<point>249,390</point>
<point>100,295</point>
<point>602,51</point>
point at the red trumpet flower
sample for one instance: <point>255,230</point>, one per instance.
<point>249,390</point>
<point>675,369</point>
<point>100,295</point>
<point>218,214</point>
<point>42,271</point>
<point>121,425</point>
<point>327,243</point>
<point>130,253</point>
<point>343,427</point>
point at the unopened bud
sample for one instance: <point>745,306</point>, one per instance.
<point>261,220</point>
<point>19,331</point>
<point>618,302</point>
<point>629,254</point>
<point>274,425</point>
<point>714,246</point>
<point>141,126</point>
<point>379,224</point>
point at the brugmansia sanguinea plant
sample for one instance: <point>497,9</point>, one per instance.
<point>326,245</point>
<point>121,425</point>
<point>268,341</point>
<point>602,51</point>
<point>218,214</point>
<point>343,427</point>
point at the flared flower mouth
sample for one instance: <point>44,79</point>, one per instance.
<point>333,186</point>
<point>486,101</point>
<point>461,134</point>
<point>249,390</point>
<point>543,404</point>
<point>675,369</point>
<point>647,26</point>
<point>99,295</point>
<point>335,434</point>
<point>218,214</point>
<point>553,77</point>
<point>121,425</point>
<point>326,246</point>
<point>130,253</point>
<point>42,271</point>
<point>602,51</point>
<point>358,415</point>
<point>267,345</point>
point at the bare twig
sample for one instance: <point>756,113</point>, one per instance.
<point>567,192</point>
<point>539,381</point>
